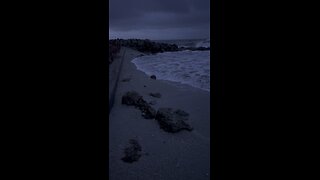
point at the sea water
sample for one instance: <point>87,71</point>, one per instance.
<point>186,67</point>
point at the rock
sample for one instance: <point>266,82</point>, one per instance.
<point>157,95</point>
<point>134,99</point>
<point>133,152</point>
<point>172,121</point>
<point>153,77</point>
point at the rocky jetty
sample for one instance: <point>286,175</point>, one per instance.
<point>146,45</point>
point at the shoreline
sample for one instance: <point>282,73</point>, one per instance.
<point>176,82</point>
<point>183,155</point>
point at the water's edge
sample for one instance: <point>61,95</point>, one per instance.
<point>188,68</point>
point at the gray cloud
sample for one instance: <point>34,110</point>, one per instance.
<point>159,19</point>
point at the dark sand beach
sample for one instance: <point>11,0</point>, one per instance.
<point>182,155</point>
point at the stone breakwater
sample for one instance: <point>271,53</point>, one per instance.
<point>148,46</point>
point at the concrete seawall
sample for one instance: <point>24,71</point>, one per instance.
<point>114,74</point>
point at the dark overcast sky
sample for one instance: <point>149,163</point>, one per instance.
<point>159,19</point>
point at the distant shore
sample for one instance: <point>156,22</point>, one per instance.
<point>183,155</point>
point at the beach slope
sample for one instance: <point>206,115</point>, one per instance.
<point>182,155</point>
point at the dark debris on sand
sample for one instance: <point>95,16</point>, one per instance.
<point>153,102</point>
<point>173,121</point>
<point>132,152</point>
<point>156,95</point>
<point>132,98</point>
<point>170,120</point>
<point>125,80</point>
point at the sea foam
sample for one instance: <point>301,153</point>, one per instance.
<point>186,67</point>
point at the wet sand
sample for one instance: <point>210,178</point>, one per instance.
<point>182,155</point>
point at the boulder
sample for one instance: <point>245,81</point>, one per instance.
<point>153,77</point>
<point>173,121</point>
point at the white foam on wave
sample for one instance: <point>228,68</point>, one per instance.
<point>205,43</point>
<point>186,67</point>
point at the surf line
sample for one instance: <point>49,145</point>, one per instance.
<point>111,100</point>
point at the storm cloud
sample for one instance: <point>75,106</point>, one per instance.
<point>159,19</point>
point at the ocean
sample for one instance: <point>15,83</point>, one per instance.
<point>186,67</point>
